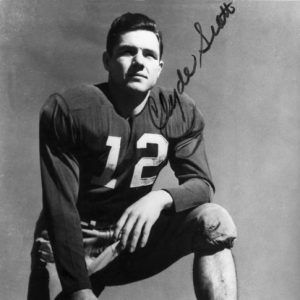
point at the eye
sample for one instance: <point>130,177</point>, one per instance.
<point>150,54</point>
<point>127,52</point>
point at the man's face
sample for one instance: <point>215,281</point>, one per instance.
<point>135,62</point>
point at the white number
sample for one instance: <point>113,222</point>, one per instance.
<point>162,145</point>
<point>112,160</point>
<point>137,180</point>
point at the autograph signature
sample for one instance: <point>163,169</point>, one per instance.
<point>184,75</point>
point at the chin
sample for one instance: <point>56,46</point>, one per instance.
<point>138,87</point>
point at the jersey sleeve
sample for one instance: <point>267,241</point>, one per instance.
<point>189,162</point>
<point>60,184</point>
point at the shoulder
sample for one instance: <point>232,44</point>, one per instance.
<point>174,100</point>
<point>76,100</point>
<point>172,92</point>
<point>177,112</point>
<point>84,96</point>
<point>77,109</point>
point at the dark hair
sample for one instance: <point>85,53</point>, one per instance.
<point>131,22</point>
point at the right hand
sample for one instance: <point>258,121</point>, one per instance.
<point>136,222</point>
<point>85,294</point>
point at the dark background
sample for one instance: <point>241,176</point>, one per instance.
<point>247,89</point>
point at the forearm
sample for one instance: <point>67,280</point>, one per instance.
<point>68,251</point>
<point>191,193</point>
<point>63,224</point>
<point>84,294</point>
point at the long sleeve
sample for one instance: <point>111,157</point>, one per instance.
<point>189,162</point>
<point>60,183</point>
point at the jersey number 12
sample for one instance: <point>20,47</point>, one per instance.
<point>137,180</point>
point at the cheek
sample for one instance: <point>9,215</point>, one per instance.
<point>123,64</point>
<point>118,71</point>
<point>155,71</point>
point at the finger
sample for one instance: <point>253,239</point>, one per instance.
<point>41,240</point>
<point>146,233</point>
<point>119,225</point>
<point>126,230</point>
<point>89,241</point>
<point>135,234</point>
<point>45,247</point>
<point>44,234</point>
<point>46,256</point>
<point>44,244</point>
<point>90,232</point>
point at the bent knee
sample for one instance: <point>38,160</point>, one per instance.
<point>217,229</point>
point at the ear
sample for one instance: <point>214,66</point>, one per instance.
<point>106,60</point>
<point>161,64</point>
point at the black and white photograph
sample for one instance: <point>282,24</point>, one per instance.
<point>149,150</point>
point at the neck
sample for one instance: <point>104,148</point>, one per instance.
<point>127,103</point>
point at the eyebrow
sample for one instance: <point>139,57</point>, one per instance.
<point>130,47</point>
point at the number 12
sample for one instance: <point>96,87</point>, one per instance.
<point>137,180</point>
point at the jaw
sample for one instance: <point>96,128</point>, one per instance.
<point>133,87</point>
<point>127,97</point>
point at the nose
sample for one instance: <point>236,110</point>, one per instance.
<point>139,58</point>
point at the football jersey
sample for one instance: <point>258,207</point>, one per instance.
<point>95,163</point>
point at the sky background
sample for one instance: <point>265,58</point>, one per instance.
<point>247,89</point>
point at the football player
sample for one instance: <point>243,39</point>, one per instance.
<point>102,147</point>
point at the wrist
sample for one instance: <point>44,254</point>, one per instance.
<point>82,294</point>
<point>165,199</point>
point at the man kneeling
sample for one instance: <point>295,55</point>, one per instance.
<point>102,147</point>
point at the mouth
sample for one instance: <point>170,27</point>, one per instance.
<point>137,75</point>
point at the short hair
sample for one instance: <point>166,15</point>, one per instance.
<point>131,22</point>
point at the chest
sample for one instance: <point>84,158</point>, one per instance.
<point>120,150</point>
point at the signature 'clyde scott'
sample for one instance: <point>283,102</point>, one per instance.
<point>184,76</point>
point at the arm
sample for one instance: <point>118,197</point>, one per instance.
<point>136,222</point>
<point>189,162</point>
<point>60,182</point>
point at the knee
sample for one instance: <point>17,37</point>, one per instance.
<point>217,229</point>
